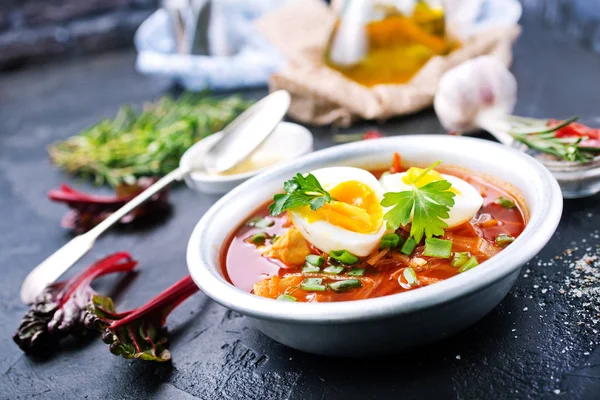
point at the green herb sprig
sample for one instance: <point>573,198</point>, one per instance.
<point>428,205</point>
<point>146,143</point>
<point>537,135</point>
<point>300,191</point>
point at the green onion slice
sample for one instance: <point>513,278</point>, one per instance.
<point>411,277</point>
<point>389,241</point>
<point>260,222</point>
<point>313,285</point>
<point>286,297</point>
<point>504,240</point>
<point>435,247</point>
<point>313,281</point>
<point>342,286</point>
<point>505,202</point>
<point>315,260</point>
<point>258,238</point>
<point>409,246</point>
<point>460,258</point>
<point>472,263</point>
<point>333,270</point>
<point>344,257</point>
<point>310,269</point>
<point>357,272</point>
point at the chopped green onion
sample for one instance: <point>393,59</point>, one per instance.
<point>435,247</point>
<point>310,269</point>
<point>411,277</point>
<point>504,240</point>
<point>260,222</point>
<point>472,263</point>
<point>313,281</point>
<point>252,221</point>
<point>409,246</point>
<point>333,270</point>
<point>357,272</point>
<point>389,241</point>
<point>315,260</point>
<point>274,238</point>
<point>313,285</point>
<point>259,238</point>
<point>460,258</point>
<point>286,297</point>
<point>344,257</point>
<point>342,286</point>
<point>505,202</point>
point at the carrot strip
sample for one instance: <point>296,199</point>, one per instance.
<point>490,223</point>
<point>396,164</point>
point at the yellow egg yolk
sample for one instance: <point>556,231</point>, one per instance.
<point>432,176</point>
<point>354,207</point>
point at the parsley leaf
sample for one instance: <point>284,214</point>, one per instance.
<point>429,205</point>
<point>300,191</point>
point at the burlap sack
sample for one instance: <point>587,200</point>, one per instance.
<point>321,95</point>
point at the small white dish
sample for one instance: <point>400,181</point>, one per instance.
<point>287,142</point>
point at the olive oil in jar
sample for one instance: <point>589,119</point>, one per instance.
<point>385,42</point>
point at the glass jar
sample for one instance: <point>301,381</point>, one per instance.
<point>386,42</point>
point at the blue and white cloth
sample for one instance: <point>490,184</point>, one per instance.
<point>253,59</point>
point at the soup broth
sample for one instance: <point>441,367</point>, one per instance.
<point>246,262</point>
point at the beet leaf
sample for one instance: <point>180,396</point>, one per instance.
<point>138,333</point>
<point>60,309</point>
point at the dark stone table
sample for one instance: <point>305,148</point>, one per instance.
<point>529,347</point>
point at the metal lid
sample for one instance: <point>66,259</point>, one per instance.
<point>244,134</point>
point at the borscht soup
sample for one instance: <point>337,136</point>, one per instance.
<point>345,233</point>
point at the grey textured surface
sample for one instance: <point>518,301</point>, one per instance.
<point>529,347</point>
<point>36,31</point>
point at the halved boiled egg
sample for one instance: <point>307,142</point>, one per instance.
<point>352,221</point>
<point>467,200</point>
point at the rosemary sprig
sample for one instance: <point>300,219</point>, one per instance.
<point>148,143</point>
<point>537,135</point>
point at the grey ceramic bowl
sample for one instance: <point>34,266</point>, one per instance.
<point>396,322</point>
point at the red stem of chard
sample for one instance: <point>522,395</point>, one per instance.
<point>117,262</point>
<point>68,194</point>
<point>169,299</point>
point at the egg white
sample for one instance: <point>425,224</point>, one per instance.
<point>327,237</point>
<point>466,202</point>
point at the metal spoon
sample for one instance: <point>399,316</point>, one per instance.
<point>240,138</point>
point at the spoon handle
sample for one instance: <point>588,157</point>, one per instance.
<point>172,176</point>
<point>49,270</point>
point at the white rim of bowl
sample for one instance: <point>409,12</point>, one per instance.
<point>540,228</point>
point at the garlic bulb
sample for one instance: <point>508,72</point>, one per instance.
<point>474,94</point>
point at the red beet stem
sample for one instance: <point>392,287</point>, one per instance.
<point>117,262</point>
<point>163,303</point>
<point>68,195</point>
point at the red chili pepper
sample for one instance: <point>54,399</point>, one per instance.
<point>372,134</point>
<point>575,129</point>
<point>355,137</point>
